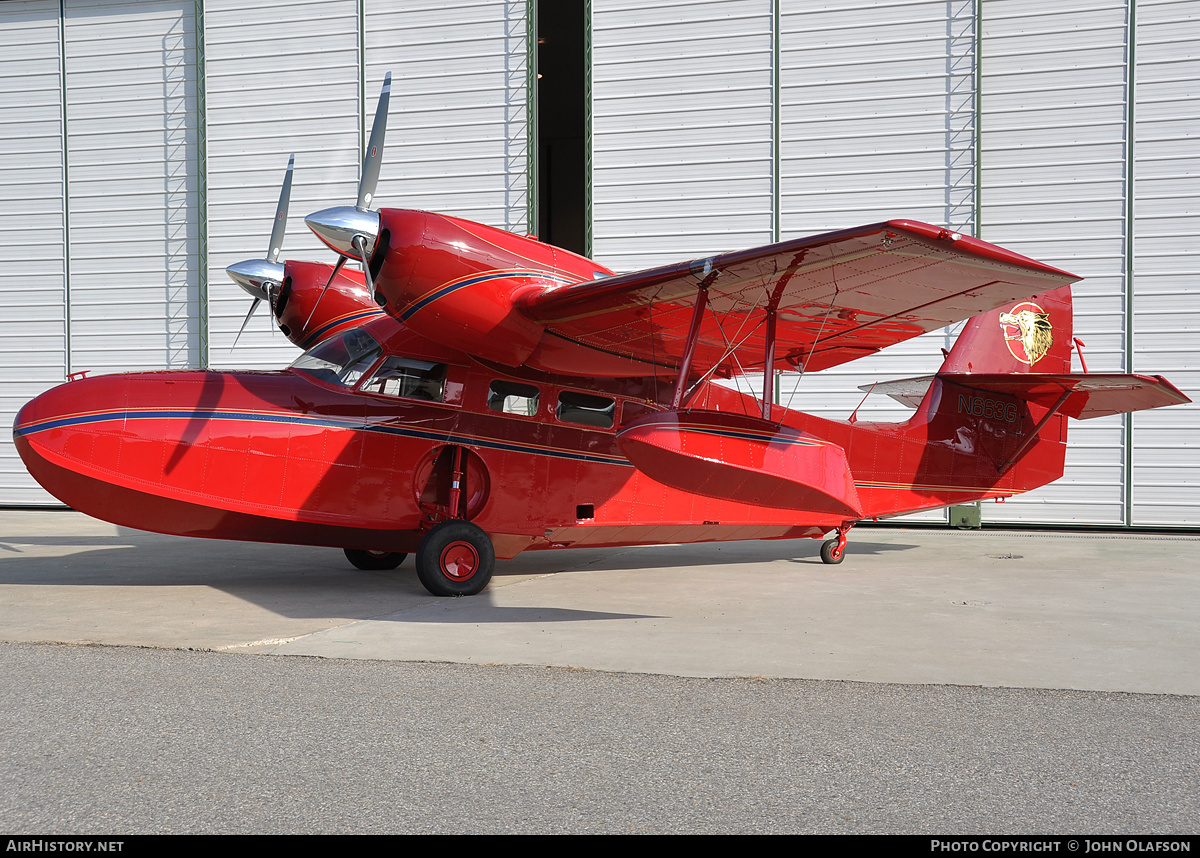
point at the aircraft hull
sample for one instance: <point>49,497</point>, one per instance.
<point>145,510</point>
<point>282,457</point>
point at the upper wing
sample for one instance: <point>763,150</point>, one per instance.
<point>838,296</point>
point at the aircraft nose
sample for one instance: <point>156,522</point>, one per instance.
<point>61,409</point>
<point>69,430</point>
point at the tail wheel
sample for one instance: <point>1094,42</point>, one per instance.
<point>373,560</point>
<point>455,558</point>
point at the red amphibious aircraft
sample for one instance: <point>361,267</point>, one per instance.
<point>473,394</point>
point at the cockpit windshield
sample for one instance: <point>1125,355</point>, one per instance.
<point>341,359</point>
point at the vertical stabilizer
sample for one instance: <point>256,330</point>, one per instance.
<point>1032,335</point>
<point>993,430</point>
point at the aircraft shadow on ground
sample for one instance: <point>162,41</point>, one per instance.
<point>501,614</point>
<point>321,584</point>
<point>301,582</point>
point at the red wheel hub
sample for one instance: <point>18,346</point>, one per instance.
<point>459,560</point>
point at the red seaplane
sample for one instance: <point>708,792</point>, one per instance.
<point>472,394</point>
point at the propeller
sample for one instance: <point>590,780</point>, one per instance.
<point>352,231</point>
<point>258,276</point>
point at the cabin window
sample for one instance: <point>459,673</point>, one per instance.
<point>585,409</point>
<point>410,379</point>
<point>341,359</point>
<point>510,397</point>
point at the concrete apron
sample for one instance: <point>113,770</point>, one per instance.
<point>1091,611</point>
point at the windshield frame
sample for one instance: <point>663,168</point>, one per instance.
<point>342,360</point>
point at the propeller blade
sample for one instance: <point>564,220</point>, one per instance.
<point>374,155</point>
<point>360,244</point>
<point>253,307</point>
<point>341,261</point>
<point>281,211</point>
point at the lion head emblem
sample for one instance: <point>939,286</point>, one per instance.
<point>1027,332</point>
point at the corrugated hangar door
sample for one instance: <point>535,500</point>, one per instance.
<point>1054,105</point>
<point>165,123</point>
<point>33,327</point>
<point>132,210</point>
<point>877,122</point>
<point>1166,304</point>
<point>280,79</point>
<point>682,126</point>
<point>122,293</point>
<point>875,117</point>
<point>297,77</point>
<point>457,130</point>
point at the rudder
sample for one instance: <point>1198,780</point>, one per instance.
<point>1032,335</point>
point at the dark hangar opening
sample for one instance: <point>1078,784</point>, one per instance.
<point>562,166</point>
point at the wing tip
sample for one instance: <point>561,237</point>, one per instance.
<point>978,247</point>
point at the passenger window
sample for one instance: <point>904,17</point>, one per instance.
<point>410,379</point>
<point>510,397</point>
<point>586,409</point>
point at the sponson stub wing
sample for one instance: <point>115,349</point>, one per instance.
<point>744,459</point>
<point>837,297</point>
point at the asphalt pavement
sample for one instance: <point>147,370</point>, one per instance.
<point>937,681</point>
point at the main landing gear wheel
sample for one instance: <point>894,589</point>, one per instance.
<point>831,553</point>
<point>456,558</point>
<point>371,561</point>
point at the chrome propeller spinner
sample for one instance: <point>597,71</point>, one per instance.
<point>352,231</point>
<point>258,277</point>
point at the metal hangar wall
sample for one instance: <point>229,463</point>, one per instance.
<point>142,145</point>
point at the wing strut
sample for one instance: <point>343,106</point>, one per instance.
<point>689,349</point>
<point>1032,436</point>
<point>769,365</point>
<point>685,366</point>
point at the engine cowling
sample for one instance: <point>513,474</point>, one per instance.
<point>457,282</point>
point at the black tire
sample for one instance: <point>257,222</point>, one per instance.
<point>372,561</point>
<point>456,558</point>
<point>830,553</point>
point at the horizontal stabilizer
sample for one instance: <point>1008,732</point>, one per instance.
<point>1078,395</point>
<point>906,391</point>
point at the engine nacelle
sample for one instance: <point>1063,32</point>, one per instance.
<point>308,313</point>
<point>456,282</point>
